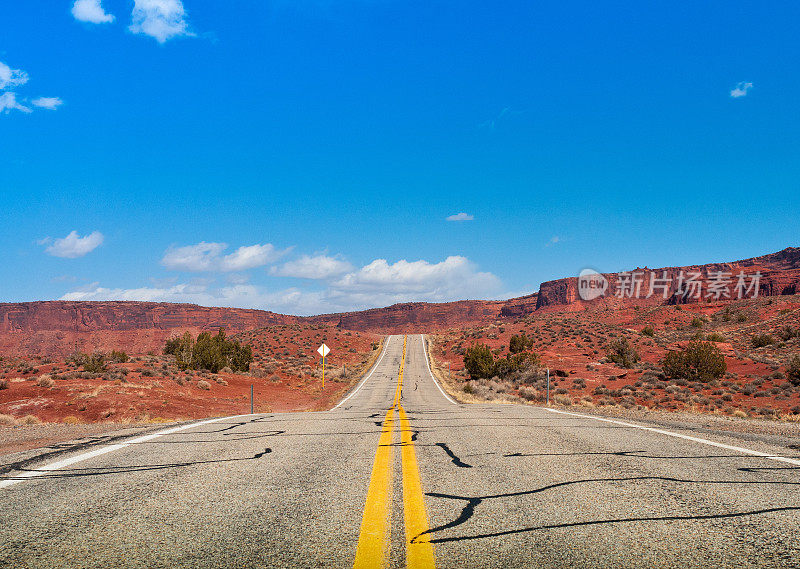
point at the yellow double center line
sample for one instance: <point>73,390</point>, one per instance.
<point>373,542</point>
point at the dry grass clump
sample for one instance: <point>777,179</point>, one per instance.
<point>564,400</point>
<point>739,413</point>
<point>30,420</point>
<point>71,420</point>
<point>7,420</point>
<point>203,384</point>
<point>45,381</point>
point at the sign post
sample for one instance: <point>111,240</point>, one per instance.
<point>323,351</point>
<point>548,387</point>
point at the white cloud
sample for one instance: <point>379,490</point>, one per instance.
<point>208,257</point>
<point>316,267</point>
<point>91,11</point>
<point>160,19</point>
<point>8,103</point>
<point>51,103</point>
<point>460,217</point>
<point>741,89</point>
<point>73,245</point>
<point>380,282</point>
<point>376,284</point>
<point>553,240</point>
<point>10,78</point>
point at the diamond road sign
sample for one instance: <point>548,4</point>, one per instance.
<point>323,350</point>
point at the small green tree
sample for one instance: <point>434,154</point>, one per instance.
<point>622,353</point>
<point>209,352</point>
<point>118,357</point>
<point>478,361</point>
<point>182,347</point>
<point>699,361</point>
<point>793,369</point>
<point>95,363</point>
<point>761,340</point>
<point>519,343</point>
<point>511,364</point>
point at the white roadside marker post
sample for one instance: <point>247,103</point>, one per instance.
<point>323,351</point>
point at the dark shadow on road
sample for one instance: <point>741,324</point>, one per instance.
<point>471,503</point>
<point>457,461</point>
<point>618,521</point>
<point>82,472</point>
<point>635,454</point>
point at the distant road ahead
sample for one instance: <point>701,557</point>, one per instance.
<point>397,476</point>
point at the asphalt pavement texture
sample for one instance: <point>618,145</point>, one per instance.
<point>503,486</point>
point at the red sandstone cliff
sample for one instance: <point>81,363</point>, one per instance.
<point>416,317</point>
<point>779,274</point>
<point>58,327</point>
<point>71,316</point>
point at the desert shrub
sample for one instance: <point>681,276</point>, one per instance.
<point>715,337</point>
<point>118,357</point>
<point>793,370</point>
<point>478,361</point>
<point>622,353</point>
<point>787,333</point>
<point>7,420</point>
<point>3,384</point>
<point>520,343</point>
<point>209,352</point>
<point>761,340</point>
<point>203,384</point>
<point>741,318</point>
<point>699,361</point>
<point>95,363</point>
<point>697,322</point>
<point>648,331</point>
<point>516,366</point>
<point>45,381</point>
<point>530,394</point>
<point>181,347</point>
<point>564,400</point>
<point>30,420</point>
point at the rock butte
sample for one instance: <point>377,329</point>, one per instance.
<point>59,327</point>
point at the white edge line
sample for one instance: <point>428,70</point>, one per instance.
<point>681,436</point>
<point>427,363</point>
<point>366,377</point>
<point>44,470</point>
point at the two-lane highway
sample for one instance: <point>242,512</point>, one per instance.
<point>398,475</point>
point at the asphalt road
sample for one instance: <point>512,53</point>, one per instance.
<point>496,486</point>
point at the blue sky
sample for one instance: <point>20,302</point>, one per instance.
<point>304,156</point>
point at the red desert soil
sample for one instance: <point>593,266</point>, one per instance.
<point>570,335</point>
<point>574,346</point>
<point>150,388</point>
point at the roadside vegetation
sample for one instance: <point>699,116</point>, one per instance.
<point>208,352</point>
<point>199,376</point>
<point>740,358</point>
